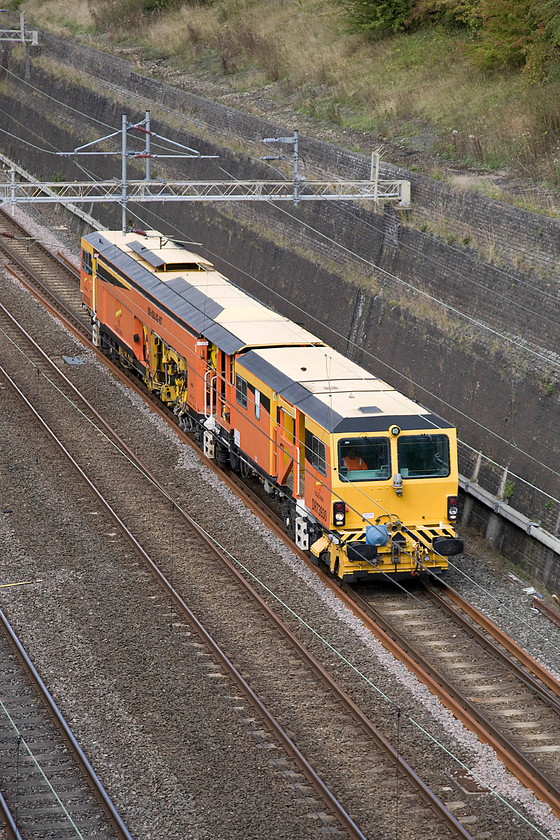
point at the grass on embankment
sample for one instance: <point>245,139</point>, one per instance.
<point>418,90</point>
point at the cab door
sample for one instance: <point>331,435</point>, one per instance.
<point>286,450</point>
<point>210,381</point>
<point>223,374</point>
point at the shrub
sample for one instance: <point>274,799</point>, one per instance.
<point>507,34</point>
<point>377,18</point>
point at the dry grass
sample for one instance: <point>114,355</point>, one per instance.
<point>407,88</point>
<point>60,16</point>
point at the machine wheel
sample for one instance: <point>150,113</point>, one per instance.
<point>221,455</point>
<point>289,516</point>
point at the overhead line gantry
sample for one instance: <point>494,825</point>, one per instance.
<point>27,37</point>
<point>124,190</point>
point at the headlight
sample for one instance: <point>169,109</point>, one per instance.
<point>452,508</point>
<point>339,513</point>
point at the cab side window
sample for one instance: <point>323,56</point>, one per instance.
<point>87,264</point>
<point>316,452</point>
<point>241,391</point>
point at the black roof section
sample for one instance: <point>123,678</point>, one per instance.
<point>319,410</point>
<point>178,298</point>
<point>292,391</point>
<point>383,422</point>
<point>144,252</point>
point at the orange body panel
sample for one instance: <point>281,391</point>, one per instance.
<point>254,433</point>
<point>318,493</point>
<point>86,285</point>
<point>126,312</point>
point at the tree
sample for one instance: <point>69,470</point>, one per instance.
<point>543,56</point>
<point>464,13</point>
<point>519,34</point>
<point>507,30</point>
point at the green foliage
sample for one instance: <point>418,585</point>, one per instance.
<point>449,12</point>
<point>507,29</point>
<point>377,18</point>
<point>519,34</point>
<point>506,34</point>
<point>151,6</point>
<point>543,56</point>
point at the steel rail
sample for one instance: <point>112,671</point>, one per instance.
<point>337,809</point>
<point>547,610</point>
<point>405,769</point>
<point>438,685</point>
<point>529,662</point>
<point>521,766</point>
<point>48,297</point>
<point>10,826</point>
<point>74,748</point>
<point>472,721</point>
<point>72,267</point>
<point>522,773</point>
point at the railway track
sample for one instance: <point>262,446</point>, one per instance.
<point>48,274</point>
<point>297,680</point>
<point>508,698</point>
<point>71,282</point>
<point>47,786</point>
